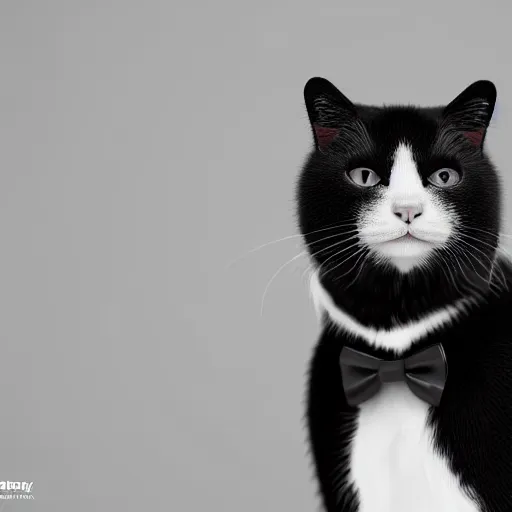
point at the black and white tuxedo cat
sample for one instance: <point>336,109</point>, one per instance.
<point>400,211</point>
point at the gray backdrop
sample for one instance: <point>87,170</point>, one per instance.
<point>143,147</point>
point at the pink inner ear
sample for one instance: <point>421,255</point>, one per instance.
<point>475,137</point>
<point>325,136</point>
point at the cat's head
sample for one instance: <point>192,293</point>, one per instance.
<point>399,190</point>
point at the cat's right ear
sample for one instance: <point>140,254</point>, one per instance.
<point>328,109</point>
<point>471,111</point>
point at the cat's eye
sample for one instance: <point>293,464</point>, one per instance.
<point>364,177</point>
<point>444,178</point>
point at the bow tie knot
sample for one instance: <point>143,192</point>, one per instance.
<point>392,371</point>
<point>424,372</point>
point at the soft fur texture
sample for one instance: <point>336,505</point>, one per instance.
<point>400,209</point>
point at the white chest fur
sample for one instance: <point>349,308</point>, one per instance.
<point>393,463</point>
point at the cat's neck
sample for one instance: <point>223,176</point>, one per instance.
<point>397,336</point>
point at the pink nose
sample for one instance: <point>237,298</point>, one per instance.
<point>408,213</point>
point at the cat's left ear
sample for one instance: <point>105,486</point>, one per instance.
<point>328,110</point>
<point>471,111</point>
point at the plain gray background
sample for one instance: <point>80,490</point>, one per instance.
<point>143,147</point>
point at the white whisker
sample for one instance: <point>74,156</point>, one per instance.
<point>275,275</point>
<point>289,237</point>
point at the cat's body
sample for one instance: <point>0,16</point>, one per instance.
<point>381,290</point>
<point>398,453</point>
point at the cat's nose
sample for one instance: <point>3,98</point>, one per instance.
<point>407,213</point>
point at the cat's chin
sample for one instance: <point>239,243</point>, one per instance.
<point>404,253</point>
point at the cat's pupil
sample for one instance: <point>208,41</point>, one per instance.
<point>365,175</point>
<point>445,176</point>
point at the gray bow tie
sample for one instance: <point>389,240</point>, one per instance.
<point>425,373</point>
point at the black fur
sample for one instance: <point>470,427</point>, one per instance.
<point>473,424</point>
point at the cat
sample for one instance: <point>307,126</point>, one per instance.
<point>400,209</point>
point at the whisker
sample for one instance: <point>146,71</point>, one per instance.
<point>345,260</point>
<point>473,289</point>
<point>275,275</point>
<point>340,252</point>
<point>302,253</point>
<point>448,248</point>
<point>363,249</point>
<point>327,248</point>
<point>323,264</point>
<point>491,284</point>
<point>504,281</point>
<point>463,253</point>
<point>366,256</point>
<point>426,268</point>
<point>492,262</point>
<point>450,276</point>
<point>289,237</point>
<point>460,239</point>
<point>483,242</point>
<point>501,233</point>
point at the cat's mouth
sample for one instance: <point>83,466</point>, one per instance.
<point>404,243</point>
<point>404,249</point>
<point>409,237</point>
<point>410,240</point>
<point>414,237</point>
<point>397,239</point>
